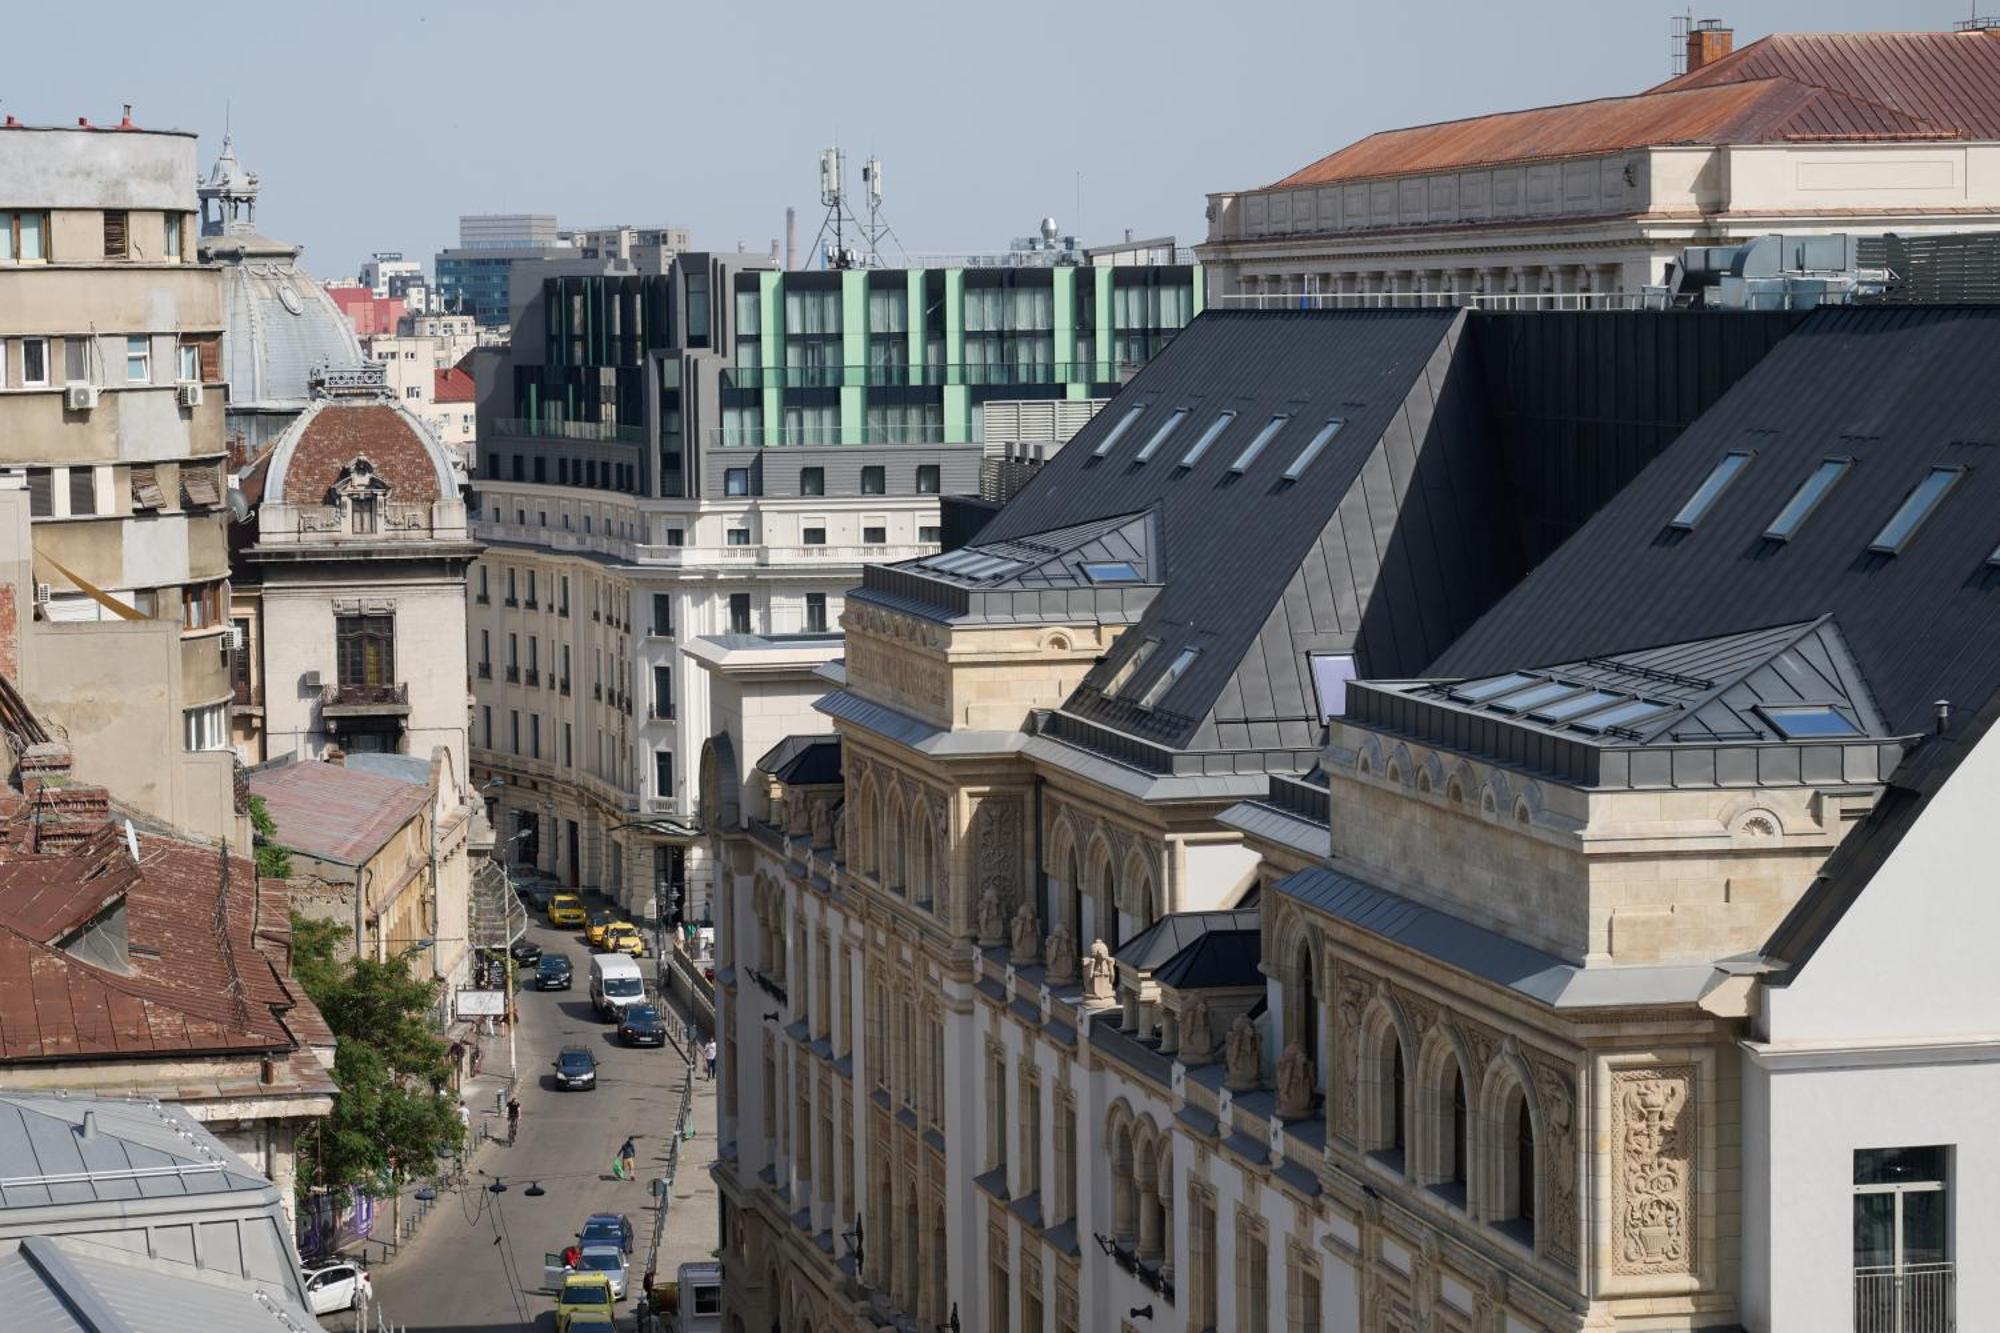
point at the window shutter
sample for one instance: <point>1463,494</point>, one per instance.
<point>114,234</point>
<point>146,488</point>
<point>210,346</point>
<point>38,493</point>
<point>82,491</point>
<point>199,485</point>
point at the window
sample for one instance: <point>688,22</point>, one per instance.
<point>1330,674</point>
<point>41,493</point>
<point>1169,678</point>
<point>1206,438</point>
<point>812,481</point>
<point>138,359</point>
<point>873,481</point>
<point>205,728</point>
<point>1257,443</point>
<point>23,237</point>
<point>1112,436</point>
<point>927,479</point>
<point>663,615</point>
<point>739,536</point>
<point>739,613</point>
<point>736,481</point>
<point>486,724</point>
<point>815,613</point>
<point>1110,571</point>
<point>1903,1275</point>
<point>188,363</point>
<point>34,362</point>
<point>82,492</point>
<point>361,513</point>
<point>1711,488</point>
<point>201,605</point>
<point>534,735</point>
<point>1130,668</point>
<point>932,535</point>
<point>814,535</point>
<point>663,774</point>
<point>76,360</point>
<point>117,228</point>
<point>1808,721</point>
<point>1159,437</point>
<point>875,536</point>
<point>1916,507</point>
<point>1806,498</point>
<point>173,233</point>
<point>514,730</point>
<point>663,691</point>
<point>676,537</point>
<point>1253,1279</point>
<point>1312,450</point>
<point>365,649</point>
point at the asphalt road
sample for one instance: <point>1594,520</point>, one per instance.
<point>477,1262</point>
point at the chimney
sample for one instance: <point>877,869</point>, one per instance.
<point>1708,42</point>
<point>87,1131</point>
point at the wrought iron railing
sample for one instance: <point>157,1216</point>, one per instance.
<point>352,696</point>
<point>1915,1298</point>
<point>594,432</point>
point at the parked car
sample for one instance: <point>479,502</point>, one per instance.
<point>581,1294</point>
<point>642,1026</point>
<point>553,972</point>
<point>606,1229</point>
<point>595,924</point>
<point>337,1286</point>
<point>624,937</point>
<point>576,1067</point>
<point>525,952</point>
<point>534,893</point>
<point>566,910</point>
<point>608,1260</point>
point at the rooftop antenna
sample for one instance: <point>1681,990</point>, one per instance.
<point>878,226</point>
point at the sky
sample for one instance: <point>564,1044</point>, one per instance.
<point>375,125</point>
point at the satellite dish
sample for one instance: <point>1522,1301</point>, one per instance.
<point>239,505</point>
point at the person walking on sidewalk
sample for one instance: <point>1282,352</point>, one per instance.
<point>708,1054</point>
<point>513,1118</point>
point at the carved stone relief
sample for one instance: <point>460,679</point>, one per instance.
<point>1653,1136</point>
<point>1355,990</point>
<point>997,851</point>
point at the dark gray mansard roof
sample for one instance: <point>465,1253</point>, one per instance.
<point>1254,570</point>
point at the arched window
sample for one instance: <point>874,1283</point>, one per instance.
<point>1456,1166</point>
<point>1398,1098</point>
<point>1512,1206</point>
<point>923,864</point>
<point>865,830</point>
<point>893,870</point>
<point>1164,1179</point>
<point>1107,906</point>
<point>1524,1164</point>
<point>1073,874</point>
<point>1308,1010</point>
<point>1146,1178</point>
<point>1124,1187</point>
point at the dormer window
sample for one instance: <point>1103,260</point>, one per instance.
<point>359,492</point>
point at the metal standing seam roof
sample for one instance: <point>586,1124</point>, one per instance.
<point>803,761</point>
<point>280,326</point>
<point>1165,940</point>
<point>136,1150</point>
<point>68,1285</point>
<point>334,813</point>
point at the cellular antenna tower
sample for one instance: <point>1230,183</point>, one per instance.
<point>841,219</point>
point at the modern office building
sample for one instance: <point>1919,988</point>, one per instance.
<point>1584,203</point>
<point>501,231</point>
<point>111,436</point>
<point>719,450</point>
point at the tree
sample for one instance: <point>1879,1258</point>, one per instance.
<point>392,1111</point>
<point>274,861</point>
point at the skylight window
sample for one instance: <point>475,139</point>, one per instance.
<point>1540,694</point>
<point>1481,690</point>
<point>1709,491</point>
<point>1916,507</point>
<point>1331,672</point>
<point>1563,710</point>
<point>1159,437</point>
<point>1131,667</point>
<point>1625,715</point>
<point>1117,432</point>
<point>1805,722</point>
<point>1313,446</point>
<point>1111,571</point>
<point>1806,498</point>
<point>1208,437</point>
<point>1256,446</point>
<point>1169,678</point>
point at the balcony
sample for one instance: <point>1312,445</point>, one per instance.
<point>661,712</point>
<point>777,557</point>
<point>564,686</point>
<point>242,695</point>
<point>513,675</point>
<point>486,671</point>
<point>590,432</point>
<point>981,375</point>
<point>534,677</point>
<point>366,700</point>
<point>1916,1298</point>
<point>294,525</point>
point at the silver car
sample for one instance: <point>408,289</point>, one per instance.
<point>608,1260</point>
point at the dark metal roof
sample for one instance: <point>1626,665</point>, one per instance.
<point>803,761</point>
<point>1218,958</point>
<point>1165,940</point>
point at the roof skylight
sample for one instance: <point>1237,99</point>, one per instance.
<point>1330,673</point>
<point>1625,715</point>
<point>1159,437</point>
<point>1313,446</point>
<point>1540,694</point>
<point>1130,668</point>
<point>1200,446</point>
<point>1256,446</point>
<point>1916,507</point>
<point>1168,678</point>
<point>1110,571</point>
<point>1112,436</point>
<point>1480,690</point>
<point>1562,710</point>
<point>1711,488</point>
<point>1806,498</point>
<point>1804,722</point>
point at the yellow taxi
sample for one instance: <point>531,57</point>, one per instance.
<point>583,1301</point>
<point>566,909</point>
<point>623,937</point>
<point>596,924</point>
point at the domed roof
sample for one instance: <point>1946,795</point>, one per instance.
<point>340,439</point>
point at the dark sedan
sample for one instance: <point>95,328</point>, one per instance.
<point>576,1067</point>
<point>526,952</point>
<point>553,972</point>
<point>642,1026</point>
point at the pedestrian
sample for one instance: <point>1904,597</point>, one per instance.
<point>628,1160</point>
<point>513,1118</point>
<point>465,1120</point>
<point>572,1256</point>
<point>708,1054</point>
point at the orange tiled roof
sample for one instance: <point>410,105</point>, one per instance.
<point>454,385</point>
<point>1786,87</point>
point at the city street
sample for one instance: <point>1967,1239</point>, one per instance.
<point>477,1262</point>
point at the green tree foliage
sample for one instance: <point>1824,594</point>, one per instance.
<point>274,861</point>
<point>392,1112</point>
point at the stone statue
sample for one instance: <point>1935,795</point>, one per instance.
<point>1027,934</point>
<point>1245,1056</point>
<point>992,920</point>
<point>1062,953</point>
<point>1099,973</point>
<point>1197,1033</point>
<point>822,825</point>
<point>1295,1083</point>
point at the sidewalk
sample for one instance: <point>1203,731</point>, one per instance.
<point>692,1231</point>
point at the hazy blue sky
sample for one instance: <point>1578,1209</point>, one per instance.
<point>374,125</point>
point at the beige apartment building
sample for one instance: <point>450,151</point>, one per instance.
<point>111,423</point>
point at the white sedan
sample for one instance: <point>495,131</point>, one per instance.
<point>337,1286</point>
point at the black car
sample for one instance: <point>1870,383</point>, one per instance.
<point>525,951</point>
<point>642,1026</point>
<point>576,1067</point>
<point>553,972</point>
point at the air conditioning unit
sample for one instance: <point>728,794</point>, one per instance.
<point>80,397</point>
<point>234,638</point>
<point>309,681</point>
<point>190,394</point>
<point>43,594</point>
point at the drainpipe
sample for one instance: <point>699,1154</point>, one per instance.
<point>360,911</point>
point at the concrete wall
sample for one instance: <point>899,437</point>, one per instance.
<point>94,169</point>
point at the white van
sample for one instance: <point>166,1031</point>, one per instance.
<point>615,984</point>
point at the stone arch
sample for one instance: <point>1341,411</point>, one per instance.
<point>1508,1189</point>
<point>1055,642</point>
<point>1528,803</point>
<point>1402,766</point>
<point>1146,1186</point>
<point>1748,819</point>
<point>920,852</point>
<point>893,873</point>
<point>1369,758</point>
<point>1067,857</point>
<point>1103,891</point>
<point>1163,1182</point>
<point>1496,794</point>
<point>1137,891</point>
<point>1430,774</point>
<point>865,830</point>
<point>1444,1096</point>
<point>1382,1079</point>
<point>1124,1184</point>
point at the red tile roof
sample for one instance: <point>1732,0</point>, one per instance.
<point>454,385</point>
<point>334,813</point>
<point>339,431</point>
<point>1787,87</point>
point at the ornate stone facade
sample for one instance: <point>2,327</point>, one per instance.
<point>1653,1134</point>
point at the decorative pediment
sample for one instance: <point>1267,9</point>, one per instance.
<point>359,480</point>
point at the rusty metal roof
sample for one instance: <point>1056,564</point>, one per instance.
<point>336,814</point>
<point>1789,87</point>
